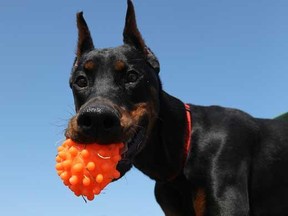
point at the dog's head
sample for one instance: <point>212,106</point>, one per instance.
<point>116,91</point>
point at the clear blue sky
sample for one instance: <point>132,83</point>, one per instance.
<point>229,53</point>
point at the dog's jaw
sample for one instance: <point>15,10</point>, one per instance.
<point>135,143</point>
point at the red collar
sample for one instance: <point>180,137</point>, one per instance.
<point>187,144</point>
<point>188,132</point>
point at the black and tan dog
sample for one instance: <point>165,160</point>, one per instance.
<point>205,160</point>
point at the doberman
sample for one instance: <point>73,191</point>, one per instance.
<point>205,160</point>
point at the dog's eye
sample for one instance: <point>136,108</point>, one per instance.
<point>81,82</point>
<point>132,76</point>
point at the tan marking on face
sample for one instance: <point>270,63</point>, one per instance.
<point>119,65</point>
<point>126,120</point>
<point>199,202</point>
<point>139,111</point>
<point>130,121</point>
<point>71,131</point>
<point>89,65</point>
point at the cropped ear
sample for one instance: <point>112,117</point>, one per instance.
<point>85,42</point>
<point>132,37</point>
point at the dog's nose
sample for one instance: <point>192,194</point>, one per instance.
<point>100,123</point>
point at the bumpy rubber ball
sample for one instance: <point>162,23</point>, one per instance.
<point>88,168</point>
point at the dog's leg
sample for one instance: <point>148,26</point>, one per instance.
<point>172,200</point>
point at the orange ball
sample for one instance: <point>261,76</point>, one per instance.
<point>87,168</point>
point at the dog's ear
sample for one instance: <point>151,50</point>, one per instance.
<point>85,42</point>
<point>132,37</point>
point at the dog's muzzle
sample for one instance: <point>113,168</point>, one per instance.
<point>105,123</point>
<point>100,123</point>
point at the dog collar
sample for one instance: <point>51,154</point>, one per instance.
<point>188,131</point>
<point>187,143</point>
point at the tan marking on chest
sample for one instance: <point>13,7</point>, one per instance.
<point>199,202</point>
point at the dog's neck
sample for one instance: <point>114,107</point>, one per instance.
<point>164,153</point>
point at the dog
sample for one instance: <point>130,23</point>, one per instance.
<point>205,160</point>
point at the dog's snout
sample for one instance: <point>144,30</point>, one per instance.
<point>101,123</point>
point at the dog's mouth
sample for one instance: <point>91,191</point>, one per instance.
<point>133,137</point>
<point>134,144</point>
<point>133,134</point>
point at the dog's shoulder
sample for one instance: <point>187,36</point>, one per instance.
<point>222,118</point>
<point>228,132</point>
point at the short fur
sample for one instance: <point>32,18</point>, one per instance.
<point>237,164</point>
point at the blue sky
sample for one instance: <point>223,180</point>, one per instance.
<point>229,53</point>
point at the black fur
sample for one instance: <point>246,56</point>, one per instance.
<point>237,164</point>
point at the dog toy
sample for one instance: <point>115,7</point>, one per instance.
<point>87,168</point>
